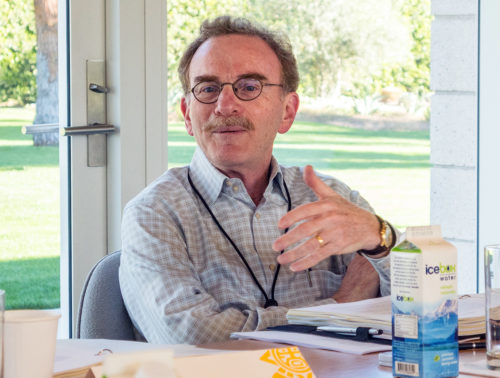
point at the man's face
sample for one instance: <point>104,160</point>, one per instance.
<point>238,135</point>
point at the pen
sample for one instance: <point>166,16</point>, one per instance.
<point>350,331</point>
<point>468,346</point>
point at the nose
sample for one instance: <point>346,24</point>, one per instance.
<point>227,103</point>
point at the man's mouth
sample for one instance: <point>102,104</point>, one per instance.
<point>229,130</point>
<point>227,125</point>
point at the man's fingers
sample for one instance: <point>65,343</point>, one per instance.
<point>310,210</point>
<point>304,212</point>
<point>301,232</point>
<point>307,261</point>
<point>300,251</point>
<point>314,182</point>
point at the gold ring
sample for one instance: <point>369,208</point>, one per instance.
<point>320,240</point>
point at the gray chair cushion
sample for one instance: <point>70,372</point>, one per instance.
<point>102,313</point>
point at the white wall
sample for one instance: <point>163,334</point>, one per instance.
<point>453,124</point>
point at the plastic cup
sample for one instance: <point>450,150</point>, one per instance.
<point>30,343</point>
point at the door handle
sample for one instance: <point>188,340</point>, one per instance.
<point>41,128</point>
<point>96,128</point>
<point>98,88</point>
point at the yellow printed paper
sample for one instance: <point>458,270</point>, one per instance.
<point>272,363</point>
<point>290,363</point>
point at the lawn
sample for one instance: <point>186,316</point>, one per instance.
<point>29,215</point>
<point>390,169</point>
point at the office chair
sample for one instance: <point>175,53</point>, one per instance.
<point>102,313</point>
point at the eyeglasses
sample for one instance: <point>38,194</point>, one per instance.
<point>246,89</point>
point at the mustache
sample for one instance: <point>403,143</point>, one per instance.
<point>223,122</point>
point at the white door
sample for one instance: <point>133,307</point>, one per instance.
<point>100,174</point>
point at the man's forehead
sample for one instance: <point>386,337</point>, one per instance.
<point>234,39</point>
<point>234,55</point>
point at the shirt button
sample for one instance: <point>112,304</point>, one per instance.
<point>272,267</point>
<point>257,215</point>
<point>236,188</point>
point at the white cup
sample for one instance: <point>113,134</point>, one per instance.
<point>30,343</point>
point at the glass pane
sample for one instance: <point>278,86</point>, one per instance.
<point>364,113</point>
<point>29,163</point>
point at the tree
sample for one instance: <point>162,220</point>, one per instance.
<point>17,52</point>
<point>414,73</point>
<point>338,43</point>
<point>47,109</point>
<point>183,22</point>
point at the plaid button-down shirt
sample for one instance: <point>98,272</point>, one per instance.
<point>181,279</point>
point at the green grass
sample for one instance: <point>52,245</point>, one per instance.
<point>390,169</point>
<point>29,215</point>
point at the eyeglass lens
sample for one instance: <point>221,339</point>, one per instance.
<point>245,89</point>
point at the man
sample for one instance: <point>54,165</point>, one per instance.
<point>201,245</point>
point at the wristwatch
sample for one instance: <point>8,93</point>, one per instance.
<point>387,239</point>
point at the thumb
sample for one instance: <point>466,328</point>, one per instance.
<point>314,182</point>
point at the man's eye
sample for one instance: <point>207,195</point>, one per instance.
<point>250,88</point>
<point>209,89</point>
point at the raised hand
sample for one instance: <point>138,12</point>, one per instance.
<point>329,226</point>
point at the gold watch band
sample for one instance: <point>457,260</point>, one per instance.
<point>387,238</point>
<point>383,232</point>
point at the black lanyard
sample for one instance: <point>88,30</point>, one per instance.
<point>269,301</point>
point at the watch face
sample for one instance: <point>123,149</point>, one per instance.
<point>383,234</point>
<point>386,235</point>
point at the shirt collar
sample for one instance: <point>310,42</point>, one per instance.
<point>210,181</point>
<point>207,179</point>
<point>275,190</point>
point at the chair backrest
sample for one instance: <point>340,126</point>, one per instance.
<point>102,313</point>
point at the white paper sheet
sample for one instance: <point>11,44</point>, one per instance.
<point>78,353</point>
<point>478,368</point>
<point>313,341</point>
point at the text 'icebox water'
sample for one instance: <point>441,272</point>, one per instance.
<point>424,305</point>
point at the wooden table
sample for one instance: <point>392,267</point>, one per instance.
<point>326,364</point>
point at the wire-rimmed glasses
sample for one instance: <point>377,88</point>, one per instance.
<point>246,89</point>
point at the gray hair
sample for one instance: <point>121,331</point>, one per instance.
<point>226,25</point>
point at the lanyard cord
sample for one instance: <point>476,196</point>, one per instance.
<point>269,301</point>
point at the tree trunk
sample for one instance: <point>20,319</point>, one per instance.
<point>47,100</point>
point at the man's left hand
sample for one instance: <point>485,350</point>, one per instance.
<point>329,226</point>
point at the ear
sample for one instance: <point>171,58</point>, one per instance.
<point>187,117</point>
<point>291,107</point>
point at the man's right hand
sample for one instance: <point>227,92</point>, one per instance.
<point>361,281</point>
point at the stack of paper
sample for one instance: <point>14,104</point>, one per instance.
<point>471,315</point>
<point>376,313</point>
<point>372,313</point>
